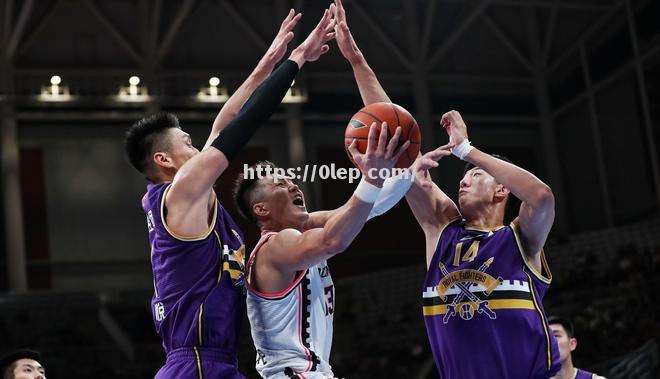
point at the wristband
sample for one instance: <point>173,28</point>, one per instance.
<point>462,149</point>
<point>367,192</point>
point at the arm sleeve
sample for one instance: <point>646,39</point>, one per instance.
<point>394,189</point>
<point>256,110</point>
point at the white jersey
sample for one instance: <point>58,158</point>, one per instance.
<point>292,329</point>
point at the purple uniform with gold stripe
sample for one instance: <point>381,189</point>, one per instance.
<point>199,292</point>
<point>482,307</point>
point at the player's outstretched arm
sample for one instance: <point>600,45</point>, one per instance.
<point>537,211</point>
<point>291,250</point>
<point>265,66</point>
<point>189,197</point>
<point>370,89</point>
<point>394,188</point>
<point>432,208</point>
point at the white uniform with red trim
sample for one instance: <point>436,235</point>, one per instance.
<point>292,329</point>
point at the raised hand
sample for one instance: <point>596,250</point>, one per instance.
<point>425,162</point>
<point>344,38</point>
<point>380,153</point>
<point>315,44</point>
<point>278,47</point>
<point>455,126</point>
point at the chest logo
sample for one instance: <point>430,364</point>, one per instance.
<point>233,262</point>
<point>463,280</point>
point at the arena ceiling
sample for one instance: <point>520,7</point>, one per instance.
<point>495,47</point>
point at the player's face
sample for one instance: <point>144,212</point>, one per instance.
<point>477,189</point>
<point>29,369</point>
<point>181,148</point>
<point>566,344</point>
<point>285,201</point>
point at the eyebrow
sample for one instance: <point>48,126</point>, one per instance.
<point>40,368</point>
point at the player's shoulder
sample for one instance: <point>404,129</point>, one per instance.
<point>596,376</point>
<point>285,234</point>
<point>451,227</point>
<point>283,238</point>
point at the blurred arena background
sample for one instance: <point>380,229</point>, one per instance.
<point>568,89</point>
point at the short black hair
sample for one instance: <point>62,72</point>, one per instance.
<point>564,322</point>
<point>144,137</point>
<point>8,362</point>
<point>512,207</point>
<point>244,189</point>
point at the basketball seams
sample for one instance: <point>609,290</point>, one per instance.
<point>371,115</point>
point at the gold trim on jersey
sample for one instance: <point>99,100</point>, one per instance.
<point>199,363</point>
<point>433,310</point>
<point>544,262</point>
<point>199,323</point>
<point>221,250</point>
<point>198,237</point>
<point>485,229</point>
<point>543,320</point>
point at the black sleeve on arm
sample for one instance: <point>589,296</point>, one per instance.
<point>257,109</point>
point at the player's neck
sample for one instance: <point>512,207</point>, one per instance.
<point>487,218</point>
<point>567,369</point>
<point>276,226</point>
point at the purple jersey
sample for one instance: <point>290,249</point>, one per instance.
<point>199,292</point>
<point>482,307</point>
<point>581,374</point>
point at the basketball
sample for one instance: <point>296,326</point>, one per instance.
<point>395,116</point>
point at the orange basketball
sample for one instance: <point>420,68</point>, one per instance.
<point>394,115</point>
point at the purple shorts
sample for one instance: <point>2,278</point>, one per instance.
<point>199,363</point>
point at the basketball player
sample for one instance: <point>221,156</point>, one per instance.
<point>472,337</point>
<point>486,280</point>
<point>197,251</point>
<point>563,331</point>
<point>290,297</point>
<point>22,364</point>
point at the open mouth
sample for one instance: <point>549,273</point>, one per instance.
<point>298,201</point>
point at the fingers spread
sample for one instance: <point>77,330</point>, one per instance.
<point>372,140</point>
<point>382,138</point>
<point>288,17</point>
<point>401,150</point>
<point>394,141</point>
<point>352,148</point>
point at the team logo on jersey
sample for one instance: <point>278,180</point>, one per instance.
<point>463,280</point>
<point>233,262</point>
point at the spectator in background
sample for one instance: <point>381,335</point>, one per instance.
<point>563,332</point>
<point>22,364</point>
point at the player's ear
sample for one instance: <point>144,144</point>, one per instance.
<point>260,209</point>
<point>501,193</point>
<point>161,158</point>
<point>572,343</point>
